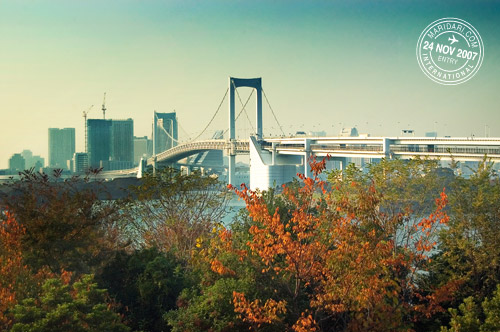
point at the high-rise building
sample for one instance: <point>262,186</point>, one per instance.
<point>142,148</point>
<point>99,141</point>
<point>123,140</point>
<point>80,162</point>
<point>61,147</point>
<point>165,134</point>
<point>17,163</point>
<point>110,143</point>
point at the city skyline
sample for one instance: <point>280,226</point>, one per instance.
<point>324,65</point>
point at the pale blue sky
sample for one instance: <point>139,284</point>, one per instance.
<point>324,64</point>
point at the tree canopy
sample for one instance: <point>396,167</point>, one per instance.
<point>400,246</point>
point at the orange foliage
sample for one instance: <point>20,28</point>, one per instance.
<point>256,313</point>
<point>341,254</point>
<point>305,324</point>
<point>432,303</point>
<point>11,266</point>
<point>219,268</point>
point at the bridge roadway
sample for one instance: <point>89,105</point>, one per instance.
<point>185,150</point>
<point>463,149</point>
<point>444,148</point>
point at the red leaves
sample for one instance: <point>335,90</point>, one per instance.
<point>11,232</point>
<point>341,252</point>
<point>11,265</point>
<point>432,303</point>
<point>427,226</point>
<point>317,167</point>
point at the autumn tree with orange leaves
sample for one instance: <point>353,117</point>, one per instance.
<point>16,280</point>
<point>335,262</point>
<point>11,266</point>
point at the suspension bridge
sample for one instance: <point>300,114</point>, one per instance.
<point>277,160</point>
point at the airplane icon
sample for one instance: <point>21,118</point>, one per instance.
<point>453,40</point>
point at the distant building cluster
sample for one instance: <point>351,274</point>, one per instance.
<point>22,161</point>
<point>110,145</point>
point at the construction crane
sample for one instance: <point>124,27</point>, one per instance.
<point>104,107</point>
<point>85,125</point>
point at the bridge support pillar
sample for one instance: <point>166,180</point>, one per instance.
<point>343,164</point>
<point>266,173</point>
<point>387,148</point>
<point>273,160</point>
<point>235,83</point>
<point>231,153</point>
<point>143,165</point>
<point>184,170</point>
<point>232,170</point>
<point>307,158</point>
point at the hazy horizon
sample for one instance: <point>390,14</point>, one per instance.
<point>324,65</point>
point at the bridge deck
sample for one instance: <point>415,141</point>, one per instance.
<point>460,148</point>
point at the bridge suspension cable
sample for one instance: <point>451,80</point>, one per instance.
<point>238,116</point>
<point>244,105</point>
<point>213,117</point>
<point>185,132</point>
<point>170,136</point>
<point>272,111</point>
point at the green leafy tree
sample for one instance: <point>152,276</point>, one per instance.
<point>491,309</point>
<point>407,187</point>
<point>470,318</point>
<point>465,319</point>
<point>210,308</point>
<point>146,284</point>
<point>218,270</point>
<point>468,247</point>
<point>62,306</point>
